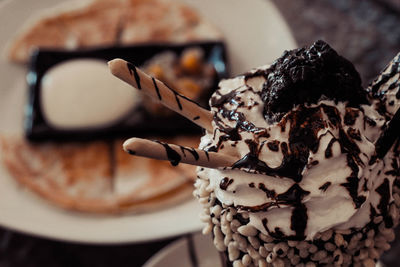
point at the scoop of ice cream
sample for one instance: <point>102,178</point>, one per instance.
<point>304,146</point>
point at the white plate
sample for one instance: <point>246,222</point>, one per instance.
<point>182,253</point>
<point>255,34</point>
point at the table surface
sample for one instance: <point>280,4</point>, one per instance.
<point>366,32</point>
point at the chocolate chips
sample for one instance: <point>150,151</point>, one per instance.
<point>307,75</point>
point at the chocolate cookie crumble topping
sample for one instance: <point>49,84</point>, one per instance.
<point>307,75</point>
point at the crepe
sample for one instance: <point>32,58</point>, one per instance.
<point>140,181</point>
<point>110,22</point>
<point>96,176</point>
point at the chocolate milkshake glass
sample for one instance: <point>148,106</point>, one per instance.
<point>308,188</point>
<point>299,164</point>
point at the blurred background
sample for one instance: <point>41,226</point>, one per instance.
<point>366,32</point>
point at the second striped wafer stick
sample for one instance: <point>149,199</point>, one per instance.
<point>177,154</point>
<point>160,92</point>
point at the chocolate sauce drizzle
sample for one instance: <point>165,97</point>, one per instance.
<point>172,155</point>
<point>350,116</point>
<point>273,145</point>
<point>299,218</point>
<point>305,124</point>
<point>384,191</point>
<point>225,182</point>
<point>352,182</point>
<point>302,77</point>
<point>191,151</point>
<point>277,233</point>
<point>292,197</point>
<point>328,151</point>
<point>325,186</point>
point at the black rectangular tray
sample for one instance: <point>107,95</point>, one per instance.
<point>37,129</point>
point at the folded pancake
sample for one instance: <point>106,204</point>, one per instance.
<point>96,177</point>
<point>142,183</point>
<point>96,23</point>
<point>74,176</point>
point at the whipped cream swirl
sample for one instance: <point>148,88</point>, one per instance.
<point>309,170</point>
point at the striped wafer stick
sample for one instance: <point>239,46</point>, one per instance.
<point>160,92</point>
<point>176,154</point>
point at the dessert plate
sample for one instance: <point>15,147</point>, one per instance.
<point>255,34</point>
<point>191,250</point>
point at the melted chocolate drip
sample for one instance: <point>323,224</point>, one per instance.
<point>350,116</point>
<point>273,145</point>
<point>305,124</point>
<point>172,155</point>
<point>328,151</point>
<point>252,162</point>
<point>370,121</point>
<point>372,212</point>
<point>269,193</point>
<point>292,197</point>
<point>348,146</point>
<point>231,133</point>
<point>239,118</point>
<point>352,183</point>
<point>354,134</point>
<point>218,102</point>
<point>241,219</point>
<point>298,221</point>
<point>225,182</point>
<point>277,233</point>
<point>325,186</point>
<point>299,217</point>
<point>191,151</point>
<point>312,163</point>
<point>395,171</point>
<point>384,191</point>
<point>333,115</point>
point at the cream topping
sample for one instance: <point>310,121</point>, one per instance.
<point>337,189</point>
